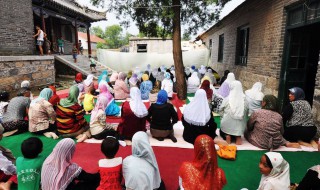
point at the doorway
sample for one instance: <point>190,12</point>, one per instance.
<point>301,61</point>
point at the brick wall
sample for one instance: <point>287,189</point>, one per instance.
<point>39,70</point>
<point>16,27</point>
<point>266,20</point>
<point>316,102</point>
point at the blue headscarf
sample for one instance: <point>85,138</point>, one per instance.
<point>105,72</point>
<point>298,93</point>
<point>46,94</point>
<point>162,97</point>
<point>167,75</point>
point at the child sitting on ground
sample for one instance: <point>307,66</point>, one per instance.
<point>29,166</point>
<point>92,64</point>
<point>110,169</point>
<point>4,101</point>
<point>88,100</point>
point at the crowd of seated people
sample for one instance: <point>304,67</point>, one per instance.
<point>249,114</point>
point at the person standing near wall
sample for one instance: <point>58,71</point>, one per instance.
<point>41,35</point>
<point>60,45</point>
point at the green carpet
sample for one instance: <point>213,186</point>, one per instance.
<point>243,172</point>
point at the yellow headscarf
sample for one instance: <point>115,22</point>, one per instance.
<point>145,77</point>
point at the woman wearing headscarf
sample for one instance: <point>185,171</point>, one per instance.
<point>224,89</point>
<point>254,97</point>
<point>298,121</point>
<point>211,76</point>
<point>203,172</point>
<point>103,81</point>
<point>265,126</point>
<point>154,75</point>
<point>59,172</point>
<point>167,85</point>
<point>275,172</point>
<point>70,117</point>
<point>233,111</point>
<point>112,108</point>
<point>140,170</point>
<point>121,90</point>
<point>311,180</point>
<point>133,115</point>
<point>197,118</point>
<point>42,115</point>
<point>162,116</point>
<point>160,76</point>
<point>88,83</point>
<point>193,83</point>
<point>145,87</point>
<point>99,128</point>
<point>113,77</point>
<point>154,92</point>
<point>105,72</point>
<point>134,82</point>
<point>202,71</point>
<point>55,99</point>
<point>225,75</point>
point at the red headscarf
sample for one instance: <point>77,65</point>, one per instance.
<point>78,78</point>
<point>203,172</point>
<point>206,87</point>
<point>55,99</point>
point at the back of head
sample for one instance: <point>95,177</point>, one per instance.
<point>31,147</point>
<point>4,96</point>
<point>110,147</point>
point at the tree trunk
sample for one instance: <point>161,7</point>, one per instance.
<point>177,52</point>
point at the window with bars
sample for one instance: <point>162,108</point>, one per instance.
<point>242,45</point>
<point>142,48</point>
<point>220,48</point>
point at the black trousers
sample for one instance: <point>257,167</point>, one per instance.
<point>296,133</point>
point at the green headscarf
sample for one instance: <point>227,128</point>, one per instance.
<point>72,98</point>
<point>271,103</point>
<point>46,94</point>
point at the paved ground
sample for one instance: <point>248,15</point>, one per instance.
<point>82,65</point>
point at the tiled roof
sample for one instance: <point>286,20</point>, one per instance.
<point>83,10</point>
<point>93,38</point>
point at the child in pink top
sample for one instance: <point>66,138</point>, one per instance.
<point>110,168</point>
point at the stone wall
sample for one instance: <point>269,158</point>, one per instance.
<point>266,20</point>
<point>39,70</point>
<point>16,28</point>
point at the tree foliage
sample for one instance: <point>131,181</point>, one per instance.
<point>169,14</point>
<point>149,14</point>
<point>112,35</point>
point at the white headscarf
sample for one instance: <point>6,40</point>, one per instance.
<point>89,80</point>
<point>25,84</point>
<point>136,104</point>
<point>279,177</point>
<point>202,70</point>
<point>194,79</point>
<point>255,92</point>
<point>236,100</point>
<point>197,112</point>
<point>141,170</point>
<point>230,78</point>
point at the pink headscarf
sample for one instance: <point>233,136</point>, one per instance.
<point>122,76</point>
<point>57,170</point>
<point>114,76</point>
<point>105,92</point>
<point>101,104</point>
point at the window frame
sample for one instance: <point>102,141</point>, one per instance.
<point>221,48</point>
<point>242,46</point>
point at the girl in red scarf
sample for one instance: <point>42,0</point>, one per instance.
<point>203,172</point>
<point>206,87</point>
